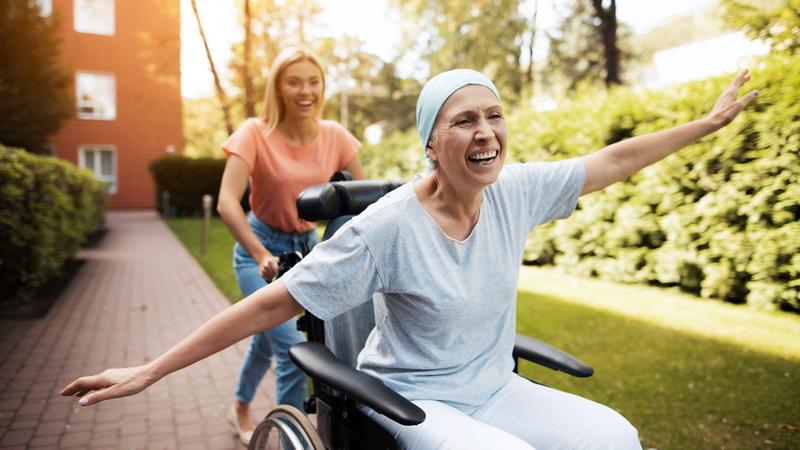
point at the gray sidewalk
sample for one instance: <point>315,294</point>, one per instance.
<point>138,293</point>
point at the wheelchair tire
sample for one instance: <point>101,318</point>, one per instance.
<point>285,427</point>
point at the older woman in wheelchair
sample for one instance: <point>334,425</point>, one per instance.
<point>438,260</point>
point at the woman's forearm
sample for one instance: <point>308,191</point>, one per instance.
<point>236,221</point>
<point>232,187</point>
<point>638,152</point>
<point>620,160</point>
<point>264,309</point>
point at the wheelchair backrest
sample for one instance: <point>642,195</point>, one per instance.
<point>337,202</point>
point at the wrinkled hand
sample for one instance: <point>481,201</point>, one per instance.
<point>268,267</point>
<point>728,105</point>
<point>111,383</point>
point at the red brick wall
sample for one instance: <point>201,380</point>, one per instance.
<point>144,56</point>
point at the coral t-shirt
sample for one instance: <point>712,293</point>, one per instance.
<point>280,171</point>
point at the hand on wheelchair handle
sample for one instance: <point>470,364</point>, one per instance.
<point>268,267</point>
<point>286,261</point>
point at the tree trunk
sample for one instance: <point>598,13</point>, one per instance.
<point>220,92</point>
<point>249,98</point>
<point>530,72</point>
<point>608,30</point>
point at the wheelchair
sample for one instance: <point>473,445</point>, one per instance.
<point>329,355</point>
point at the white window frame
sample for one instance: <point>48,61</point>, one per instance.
<point>45,7</point>
<point>80,103</point>
<point>110,179</point>
<point>105,29</point>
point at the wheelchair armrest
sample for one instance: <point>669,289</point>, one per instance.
<point>548,356</point>
<point>319,363</point>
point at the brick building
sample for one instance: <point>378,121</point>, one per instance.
<point>125,59</point>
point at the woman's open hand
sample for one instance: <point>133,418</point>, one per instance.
<point>111,383</point>
<point>729,105</point>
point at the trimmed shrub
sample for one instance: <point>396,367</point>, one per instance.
<point>187,180</point>
<point>48,208</point>
<point>720,219</point>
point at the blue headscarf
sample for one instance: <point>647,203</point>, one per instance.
<point>437,90</point>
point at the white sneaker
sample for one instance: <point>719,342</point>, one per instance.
<point>244,436</point>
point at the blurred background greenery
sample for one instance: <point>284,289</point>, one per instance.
<point>718,220</point>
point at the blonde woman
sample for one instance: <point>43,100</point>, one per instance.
<point>281,153</point>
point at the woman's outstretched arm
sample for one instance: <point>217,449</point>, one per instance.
<point>620,160</point>
<point>264,309</point>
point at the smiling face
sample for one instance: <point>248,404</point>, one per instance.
<point>301,90</point>
<point>469,138</point>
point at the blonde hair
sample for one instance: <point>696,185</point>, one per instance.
<point>273,106</point>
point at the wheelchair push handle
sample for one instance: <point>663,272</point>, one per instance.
<point>340,198</point>
<point>286,261</point>
<point>342,175</point>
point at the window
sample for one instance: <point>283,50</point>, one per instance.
<point>46,149</point>
<point>94,16</point>
<point>102,160</point>
<point>97,96</point>
<point>45,7</point>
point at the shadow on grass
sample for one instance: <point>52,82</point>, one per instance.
<point>681,391</point>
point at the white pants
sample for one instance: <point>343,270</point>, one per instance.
<point>521,415</point>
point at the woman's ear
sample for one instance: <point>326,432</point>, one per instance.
<point>430,149</point>
<point>431,152</point>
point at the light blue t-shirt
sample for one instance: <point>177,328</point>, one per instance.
<point>445,322</point>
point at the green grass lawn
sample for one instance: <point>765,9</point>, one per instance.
<point>688,373</point>
<point>218,260</point>
<point>674,369</point>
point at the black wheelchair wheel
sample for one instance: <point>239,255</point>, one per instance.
<point>285,427</point>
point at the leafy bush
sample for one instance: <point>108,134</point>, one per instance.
<point>719,218</point>
<point>48,207</point>
<point>187,180</point>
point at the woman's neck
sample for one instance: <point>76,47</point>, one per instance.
<point>299,132</point>
<point>456,211</point>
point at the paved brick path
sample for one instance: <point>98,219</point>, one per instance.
<point>138,293</point>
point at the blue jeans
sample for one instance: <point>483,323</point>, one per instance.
<point>290,381</point>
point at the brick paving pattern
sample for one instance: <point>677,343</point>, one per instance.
<point>138,292</point>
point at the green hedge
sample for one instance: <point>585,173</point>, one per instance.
<point>187,180</point>
<point>719,218</point>
<point>48,208</point>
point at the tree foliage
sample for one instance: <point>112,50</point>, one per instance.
<point>221,96</point>
<point>683,29</point>
<point>485,35</point>
<point>273,26</point>
<point>589,45</point>
<point>370,87</point>
<point>775,21</point>
<point>34,94</point>
<point>361,88</point>
<point>203,127</point>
